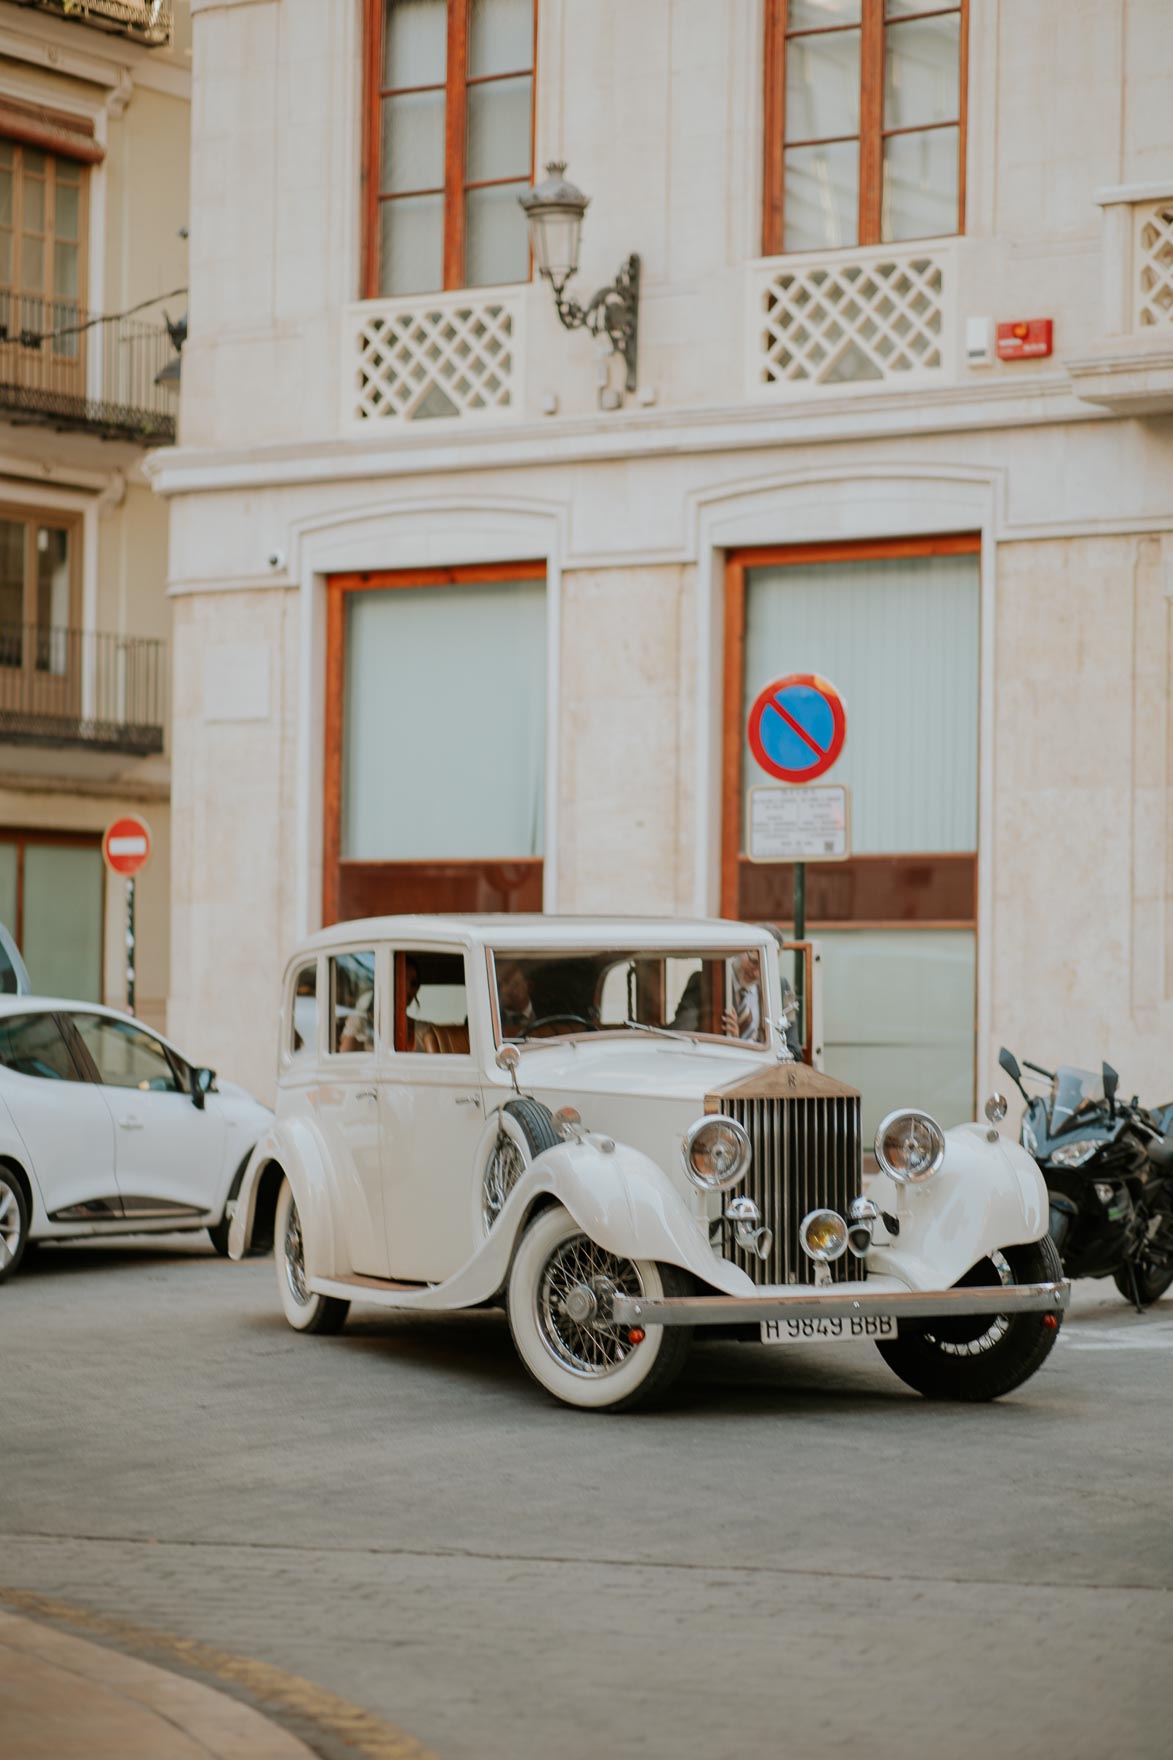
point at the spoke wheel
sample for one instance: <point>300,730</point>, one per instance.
<point>505,1167</point>
<point>560,1290</point>
<point>305,1309</point>
<point>14,1225</point>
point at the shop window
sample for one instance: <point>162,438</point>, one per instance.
<point>435,741</point>
<point>864,122</point>
<point>449,143</point>
<point>52,891</point>
<point>895,626</point>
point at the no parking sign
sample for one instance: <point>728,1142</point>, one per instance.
<point>797,727</point>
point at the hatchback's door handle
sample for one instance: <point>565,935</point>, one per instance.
<point>130,1123</point>
<point>468,1099</point>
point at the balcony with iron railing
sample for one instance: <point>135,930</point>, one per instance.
<point>74,687</point>
<point>65,368</point>
<point>145,21</point>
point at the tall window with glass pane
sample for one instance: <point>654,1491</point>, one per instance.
<point>41,219</point>
<point>867,123</point>
<point>450,144</point>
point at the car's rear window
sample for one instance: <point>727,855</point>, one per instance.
<point>34,1045</point>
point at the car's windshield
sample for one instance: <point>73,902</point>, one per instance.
<point>553,995</point>
<point>1073,1091</point>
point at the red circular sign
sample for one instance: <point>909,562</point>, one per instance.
<point>126,846</point>
<point>797,727</point>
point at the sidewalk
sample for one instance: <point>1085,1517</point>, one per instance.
<point>62,1698</point>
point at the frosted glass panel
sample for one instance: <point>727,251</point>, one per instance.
<point>898,1020</point>
<point>445,723</point>
<point>501,36</point>
<point>411,258</point>
<point>496,242</point>
<point>499,130</point>
<point>62,942</point>
<point>415,43</point>
<point>900,640</point>
<point>919,198</point>
<point>413,142</point>
<point>813,15</point>
<point>820,200</point>
<point>822,86</point>
<point>922,72</point>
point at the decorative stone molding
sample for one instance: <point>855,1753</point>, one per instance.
<point>1131,372</point>
<point>434,357</point>
<point>850,319</point>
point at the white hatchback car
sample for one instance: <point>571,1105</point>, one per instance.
<point>105,1128</point>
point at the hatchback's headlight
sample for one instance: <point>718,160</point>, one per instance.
<point>910,1146</point>
<point>1075,1154</point>
<point>717,1153</point>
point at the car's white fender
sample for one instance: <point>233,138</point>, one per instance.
<point>293,1146</point>
<point>987,1195</point>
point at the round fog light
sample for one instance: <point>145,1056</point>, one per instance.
<point>910,1146</point>
<point>717,1153</point>
<point>823,1236</point>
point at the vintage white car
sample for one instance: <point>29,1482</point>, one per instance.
<point>598,1125</point>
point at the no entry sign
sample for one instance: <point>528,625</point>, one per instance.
<point>126,846</point>
<point>797,727</point>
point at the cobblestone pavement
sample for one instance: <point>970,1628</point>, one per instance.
<point>799,1559</point>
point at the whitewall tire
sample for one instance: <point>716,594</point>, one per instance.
<point>305,1310</point>
<point>558,1271</point>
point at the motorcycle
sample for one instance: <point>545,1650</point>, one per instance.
<point>1109,1172</point>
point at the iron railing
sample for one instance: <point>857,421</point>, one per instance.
<point>59,367</point>
<point>67,687</point>
<point>146,21</point>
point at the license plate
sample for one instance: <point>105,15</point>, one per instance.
<point>828,1328</point>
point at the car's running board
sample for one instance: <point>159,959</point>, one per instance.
<point>813,1304</point>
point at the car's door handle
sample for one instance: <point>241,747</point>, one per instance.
<point>367,1094</point>
<point>130,1123</point>
<point>468,1099</point>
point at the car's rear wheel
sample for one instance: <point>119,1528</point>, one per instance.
<point>558,1300</point>
<point>981,1356</point>
<point>305,1309</point>
<point>14,1224</point>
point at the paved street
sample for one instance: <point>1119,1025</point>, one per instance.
<point>801,1558</point>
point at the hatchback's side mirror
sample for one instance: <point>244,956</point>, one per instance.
<point>202,1081</point>
<point>1111,1083</point>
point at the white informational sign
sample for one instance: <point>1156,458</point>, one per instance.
<point>799,824</point>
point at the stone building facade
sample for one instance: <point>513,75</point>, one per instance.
<point>460,622</point>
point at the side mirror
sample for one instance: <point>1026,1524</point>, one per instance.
<point>202,1083</point>
<point>1009,1063</point>
<point>1111,1083</point>
<point>508,1058</point>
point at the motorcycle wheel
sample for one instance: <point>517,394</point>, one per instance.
<point>1151,1282</point>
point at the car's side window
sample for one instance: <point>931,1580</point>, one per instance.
<point>431,1003</point>
<point>303,1023</point>
<point>352,1003</point>
<point>34,1045</point>
<point>127,1056</point>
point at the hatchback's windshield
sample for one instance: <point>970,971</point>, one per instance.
<point>551,995</point>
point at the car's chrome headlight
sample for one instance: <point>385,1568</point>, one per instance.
<point>910,1146</point>
<point>1075,1154</point>
<point>716,1152</point>
<point>823,1236</point>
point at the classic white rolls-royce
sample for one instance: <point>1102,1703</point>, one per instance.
<point>598,1125</point>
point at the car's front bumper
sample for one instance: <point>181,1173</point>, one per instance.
<point>809,1303</point>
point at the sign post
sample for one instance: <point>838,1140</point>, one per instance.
<point>126,847</point>
<point>797,728</point>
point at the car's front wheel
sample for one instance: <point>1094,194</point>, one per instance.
<point>981,1356</point>
<point>559,1292</point>
<point>305,1309</point>
<point>14,1224</point>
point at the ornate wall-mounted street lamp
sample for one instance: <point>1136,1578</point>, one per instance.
<point>554,209</point>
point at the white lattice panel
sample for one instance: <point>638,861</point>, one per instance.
<point>1153,264</point>
<point>437,356</point>
<point>875,318</point>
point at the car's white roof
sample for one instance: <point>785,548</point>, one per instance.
<point>39,1004</point>
<point>529,933</point>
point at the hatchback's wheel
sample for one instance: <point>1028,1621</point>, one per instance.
<point>14,1224</point>
<point>305,1310</point>
<point>981,1356</point>
<point>559,1300</point>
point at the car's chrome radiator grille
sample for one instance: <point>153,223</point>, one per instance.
<point>807,1155</point>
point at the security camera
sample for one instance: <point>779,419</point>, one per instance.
<point>276,559</point>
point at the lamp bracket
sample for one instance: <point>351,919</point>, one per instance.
<point>612,312</point>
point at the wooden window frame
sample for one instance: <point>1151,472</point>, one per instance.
<point>338,587</point>
<point>47,292</point>
<point>21,837</point>
<point>872,133</point>
<point>456,186</point>
<point>737,565</point>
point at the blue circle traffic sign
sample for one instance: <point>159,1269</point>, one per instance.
<point>797,727</point>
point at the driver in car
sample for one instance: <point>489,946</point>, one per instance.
<point>514,999</point>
